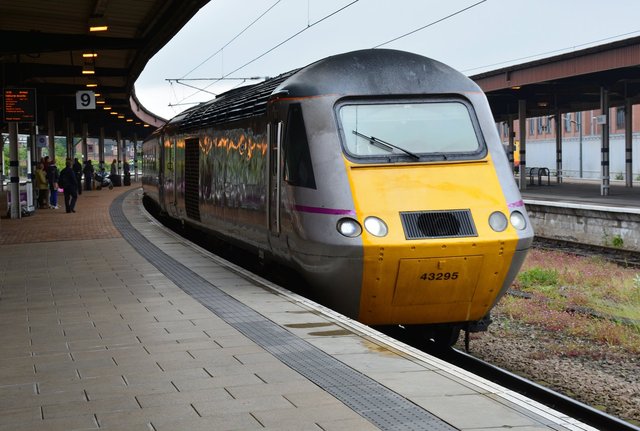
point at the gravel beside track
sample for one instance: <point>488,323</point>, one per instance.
<point>599,376</point>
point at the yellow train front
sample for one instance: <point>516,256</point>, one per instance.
<point>409,170</point>
<point>377,174</point>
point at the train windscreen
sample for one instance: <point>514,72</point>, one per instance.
<point>417,130</point>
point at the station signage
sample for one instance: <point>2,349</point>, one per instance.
<point>85,100</point>
<point>19,104</point>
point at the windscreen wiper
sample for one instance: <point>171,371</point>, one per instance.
<point>384,145</point>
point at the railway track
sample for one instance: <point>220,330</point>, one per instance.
<point>543,395</point>
<point>625,258</point>
<point>552,399</point>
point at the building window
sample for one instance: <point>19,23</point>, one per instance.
<point>620,118</point>
<point>550,124</point>
<point>532,126</point>
<point>567,122</point>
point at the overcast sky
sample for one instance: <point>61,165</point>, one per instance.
<point>490,35</point>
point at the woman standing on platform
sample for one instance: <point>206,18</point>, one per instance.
<point>43,186</point>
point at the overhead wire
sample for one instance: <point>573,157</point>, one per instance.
<point>309,25</point>
<point>430,24</point>
<point>232,39</point>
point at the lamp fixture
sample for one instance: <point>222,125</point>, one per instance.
<point>98,23</point>
<point>113,113</point>
<point>91,85</point>
<point>120,116</point>
<point>129,120</point>
<point>88,69</point>
<point>89,54</point>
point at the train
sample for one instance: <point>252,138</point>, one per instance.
<point>378,175</point>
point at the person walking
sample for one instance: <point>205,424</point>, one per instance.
<point>77,170</point>
<point>69,185</point>
<point>53,177</point>
<point>43,186</point>
<point>127,173</point>
<point>88,175</point>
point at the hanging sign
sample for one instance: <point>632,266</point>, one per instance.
<point>85,99</point>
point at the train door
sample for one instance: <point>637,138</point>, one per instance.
<point>171,196</point>
<point>274,133</point>
<point>277,241</point>
<point>160,169</point>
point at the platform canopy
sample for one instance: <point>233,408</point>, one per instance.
<point>569,82</point>
<point>49,46</point>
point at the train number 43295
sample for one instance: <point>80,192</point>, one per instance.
<point>439,276</point>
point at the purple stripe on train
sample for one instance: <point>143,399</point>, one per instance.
<point>318,210</point>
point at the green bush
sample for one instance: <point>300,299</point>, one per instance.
<point>538,277</point>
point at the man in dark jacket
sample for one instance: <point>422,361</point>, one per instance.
<point>77,169</point>
<point>88,175</point>
<point>69,183</point>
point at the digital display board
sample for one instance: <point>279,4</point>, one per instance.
<point>19,104</point>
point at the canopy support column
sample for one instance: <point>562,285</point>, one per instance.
<point>522,125</point>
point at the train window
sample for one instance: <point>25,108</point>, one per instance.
<point>298,170</point>
<point>417,130</point>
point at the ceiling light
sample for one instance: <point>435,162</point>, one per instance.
<point>120,116</point>
<point>92,85</point>
<point>89,54</point>
<point>88,69</point>
<point>98,23</point>
<point>106,108</point>
<point>101,102</point>
<point>113,112</point>
<point>129,120</point>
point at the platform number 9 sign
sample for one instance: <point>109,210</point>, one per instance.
<point>85,100</point>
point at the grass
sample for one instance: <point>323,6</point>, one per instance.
<point>559,284</point>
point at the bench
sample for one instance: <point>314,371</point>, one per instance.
<point>539,172</point>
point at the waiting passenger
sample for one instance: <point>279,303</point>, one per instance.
<point>53,176</point>
<point>43,186</point>
<point>88,175</point>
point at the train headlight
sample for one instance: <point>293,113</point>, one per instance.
<point>498,221</point>
<point>518,221</point>
<point>375,226</point>
<point>349,227</point>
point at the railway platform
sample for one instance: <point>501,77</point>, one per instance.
<point>584,192</point>
<point>575,211</point>
<point>108,321</point>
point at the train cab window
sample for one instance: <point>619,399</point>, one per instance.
<point>433,130</point>
<point>298,170</point>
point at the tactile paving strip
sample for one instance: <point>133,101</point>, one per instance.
<point>373,401</point>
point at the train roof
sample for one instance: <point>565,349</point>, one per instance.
<point>377,72</point>
<point>357,73</point>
